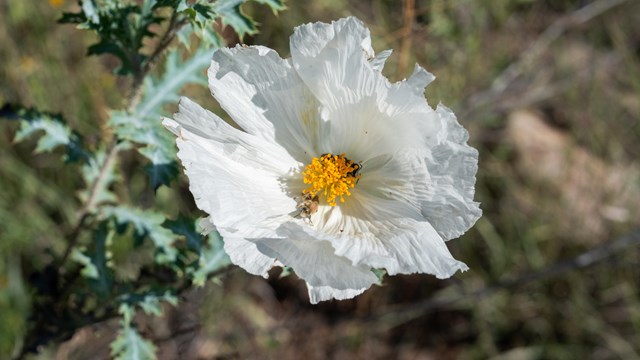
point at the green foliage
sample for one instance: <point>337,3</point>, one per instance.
<point>146,224</point>
<point>53,128</point>
<point>78,283</point>
<point>143,125</point>
<point>121,28</point>
<point>380,273</point>
<point>98,174</point>
<point>129,345</point>
<point>212,259</point>
<point>231,13</point>
<point>185,227</point>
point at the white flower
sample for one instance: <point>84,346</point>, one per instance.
<point>336,171</point>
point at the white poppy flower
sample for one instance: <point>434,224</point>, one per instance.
<point>336,171</point>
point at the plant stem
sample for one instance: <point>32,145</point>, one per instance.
<point>113,149</point>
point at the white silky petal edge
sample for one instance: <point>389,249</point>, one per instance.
<point>331,59</point>
<point>227,170</point>
<point>377,63</point>
<point>266,97</point>
<point>326,274</point>
<point>452,166</point>
<point>242,252</point>
<point>400,245</point>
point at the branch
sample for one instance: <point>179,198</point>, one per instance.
<point>113,149</point>
<point>408,15</point>
<point>401,314</point>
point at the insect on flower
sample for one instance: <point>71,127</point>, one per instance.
<point>336,171</point>
<point>308,205</point>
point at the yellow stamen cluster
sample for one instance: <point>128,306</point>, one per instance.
<point>331,176</point>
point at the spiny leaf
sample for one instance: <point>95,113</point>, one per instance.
<point>230,12</point>
<point>98,176</point>
<point>275,5</point>
<point>96,261</point>
<point>150,303</point>
<point>120,27</point>
<point>232,15</point>
<point>129,345</point>
<point>55,132</point>
<point>146,224</point>
<point>379,273</point>
<point>187,228</point>
<point>161,174</point>
<point>212,258</point>
<point>143,125</point>
<point>100,259</point>
<point>89,270</point>
<point>199,14</point>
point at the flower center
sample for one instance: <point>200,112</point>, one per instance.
<point>331,176</point>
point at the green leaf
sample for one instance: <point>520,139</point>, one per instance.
<point>199,14</point>
<point>54,130</point>
<point>143,126</point>
<point>89,270</point>
<point>129,345</point>
<point>146,224</point>
<point>98,176</point>
<point>177,74</point>
<point>100,259</point>
<point>161,174</point>
<point>121,29</point>
<point>275,5</point>
<point>379,273</point>
<point>232,15</point>
<point>150,303</point>
<point>187,228</point>
<point>212,258</point>
<point>96,261</point>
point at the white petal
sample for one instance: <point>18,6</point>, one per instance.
<point>230,170</point>
<point>245,254</point>
<point>364,130</point>
<point>381,224</point>
<point>324,293</point>
<point>419,80</point>
<point>332,60</point>
<point>377,63</point>
<point>401,246</point>
<point>265,96</point>
<point>241,252</point>
<point>452,166</point>
<point>314,261</point>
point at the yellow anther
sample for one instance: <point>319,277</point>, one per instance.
<point>331,176</point>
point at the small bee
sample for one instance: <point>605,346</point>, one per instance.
<point>356,170</point>
<point>308,205</point>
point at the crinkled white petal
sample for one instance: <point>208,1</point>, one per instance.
<point>245,254</point>
<point>266,97</point>
<point>400,245</point>
<point>230,170</point>
<point>241,252</point>
<point>332,61</point>
<point>377,63</point>
<point>313,260</point>
<point>417,177</point>
<point>366,115</point>
<point>452,166</point>
<point>324,293</point>
<point>381,224</point>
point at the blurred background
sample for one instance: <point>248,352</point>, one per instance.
<point>550,93</point>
